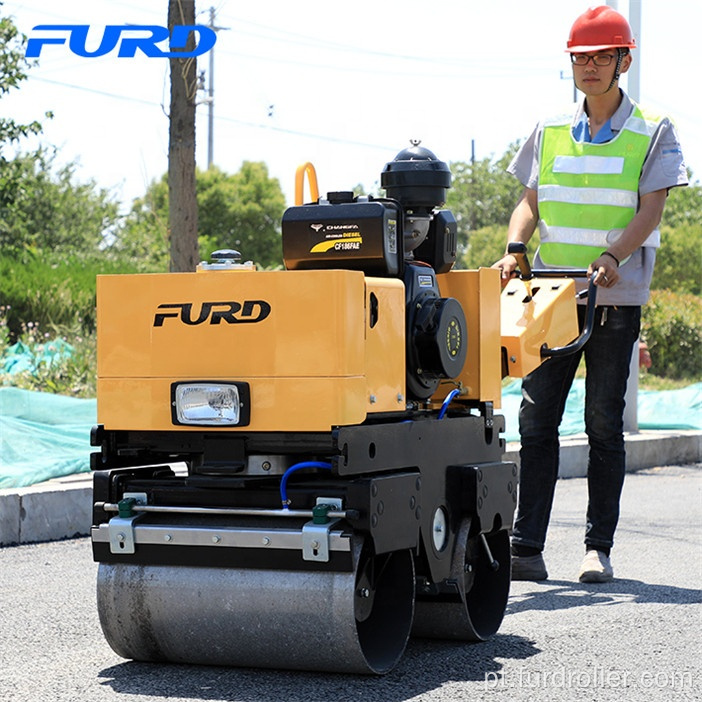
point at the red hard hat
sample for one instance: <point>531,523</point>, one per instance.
<point>600,28</point>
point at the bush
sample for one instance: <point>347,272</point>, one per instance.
<point>679,260</point>
<point>52,292</point>
<point>671,325</point>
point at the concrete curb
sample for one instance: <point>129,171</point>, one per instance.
<point>62,508</point>
<point>644,449</point>
<point>49,511</point>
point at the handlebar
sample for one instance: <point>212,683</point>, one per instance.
<point>576,345</point>
<point>526,272</point>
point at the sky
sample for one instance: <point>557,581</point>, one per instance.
<point>342,85</point>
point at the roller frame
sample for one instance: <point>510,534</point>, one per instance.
<point>372,464</point>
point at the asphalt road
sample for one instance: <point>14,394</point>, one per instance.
<point>636,639</point>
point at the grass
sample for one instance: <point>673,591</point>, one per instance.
<point>60,359</point>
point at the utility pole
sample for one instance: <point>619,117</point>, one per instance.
<point>634,84</point>
<point>631,415</point>
<point>210,95</point>
<point>210,100</point>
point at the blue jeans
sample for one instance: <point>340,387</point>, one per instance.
<point>544,393</point>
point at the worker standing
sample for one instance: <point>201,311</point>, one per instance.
<point>596,183</point>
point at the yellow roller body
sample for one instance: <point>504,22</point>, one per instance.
<point>245,326</point>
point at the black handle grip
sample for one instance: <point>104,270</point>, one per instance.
<point>576,345</point>
<point>519,251</point>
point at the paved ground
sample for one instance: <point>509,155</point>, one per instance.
<point>636,639</point>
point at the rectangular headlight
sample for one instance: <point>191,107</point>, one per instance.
<point>211,404</point>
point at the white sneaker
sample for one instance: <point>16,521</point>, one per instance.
<point>596,568</point>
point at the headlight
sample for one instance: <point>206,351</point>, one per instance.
<point>210,404</point>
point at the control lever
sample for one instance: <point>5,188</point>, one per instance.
<point>519,251</point>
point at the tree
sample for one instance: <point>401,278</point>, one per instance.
<point>483,194</point>
<point>684,206</point>
<point>182,213</point>
<point>243,212</point>
<point>41,208</point>
<point>47,210</point>
<point>240,211</point>
<point>13,67</point>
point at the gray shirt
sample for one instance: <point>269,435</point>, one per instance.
<point>663,168</point>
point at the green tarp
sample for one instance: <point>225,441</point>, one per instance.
<point>668,409</point>
<point>43,436</point>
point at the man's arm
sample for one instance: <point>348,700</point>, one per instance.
<point>522,225</point>
<point>643,223</point>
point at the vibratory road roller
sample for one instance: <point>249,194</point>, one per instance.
<point>301,468</point>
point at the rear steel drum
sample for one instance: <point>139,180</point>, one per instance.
<point>476,611</point>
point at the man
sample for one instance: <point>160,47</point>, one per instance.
<point>595,186</point>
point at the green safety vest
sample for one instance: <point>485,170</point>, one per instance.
<point>588,193</point>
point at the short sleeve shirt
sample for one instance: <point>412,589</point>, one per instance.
<point>663,168</point>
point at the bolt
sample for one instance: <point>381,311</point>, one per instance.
<point>168,537</point>
<point>315,545</point>
<point>513,359</point>
<point>266,541</point>
<point>216,539</point>
<point>121,537</point>
<point>400,397</point>
<point>467,568</point>
<point>372,399</point>
<point>266,465</point>
<point>364,592</point>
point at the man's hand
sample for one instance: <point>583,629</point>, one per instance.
<point>606,268</point>
<point>507,266</point>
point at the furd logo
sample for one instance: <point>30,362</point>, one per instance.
<point>130,37</point>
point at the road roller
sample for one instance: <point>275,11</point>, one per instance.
<point>302,468</point>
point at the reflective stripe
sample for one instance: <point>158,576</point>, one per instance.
<point>588,196</point>
<point>589,237</point>
<point>601,165</point>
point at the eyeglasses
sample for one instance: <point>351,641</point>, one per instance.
<point>598,59</point>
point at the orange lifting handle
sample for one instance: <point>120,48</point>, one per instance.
<point>307,168</point>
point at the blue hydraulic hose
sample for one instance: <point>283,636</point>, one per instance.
<point>447,402</point>
<point>292,469</point>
